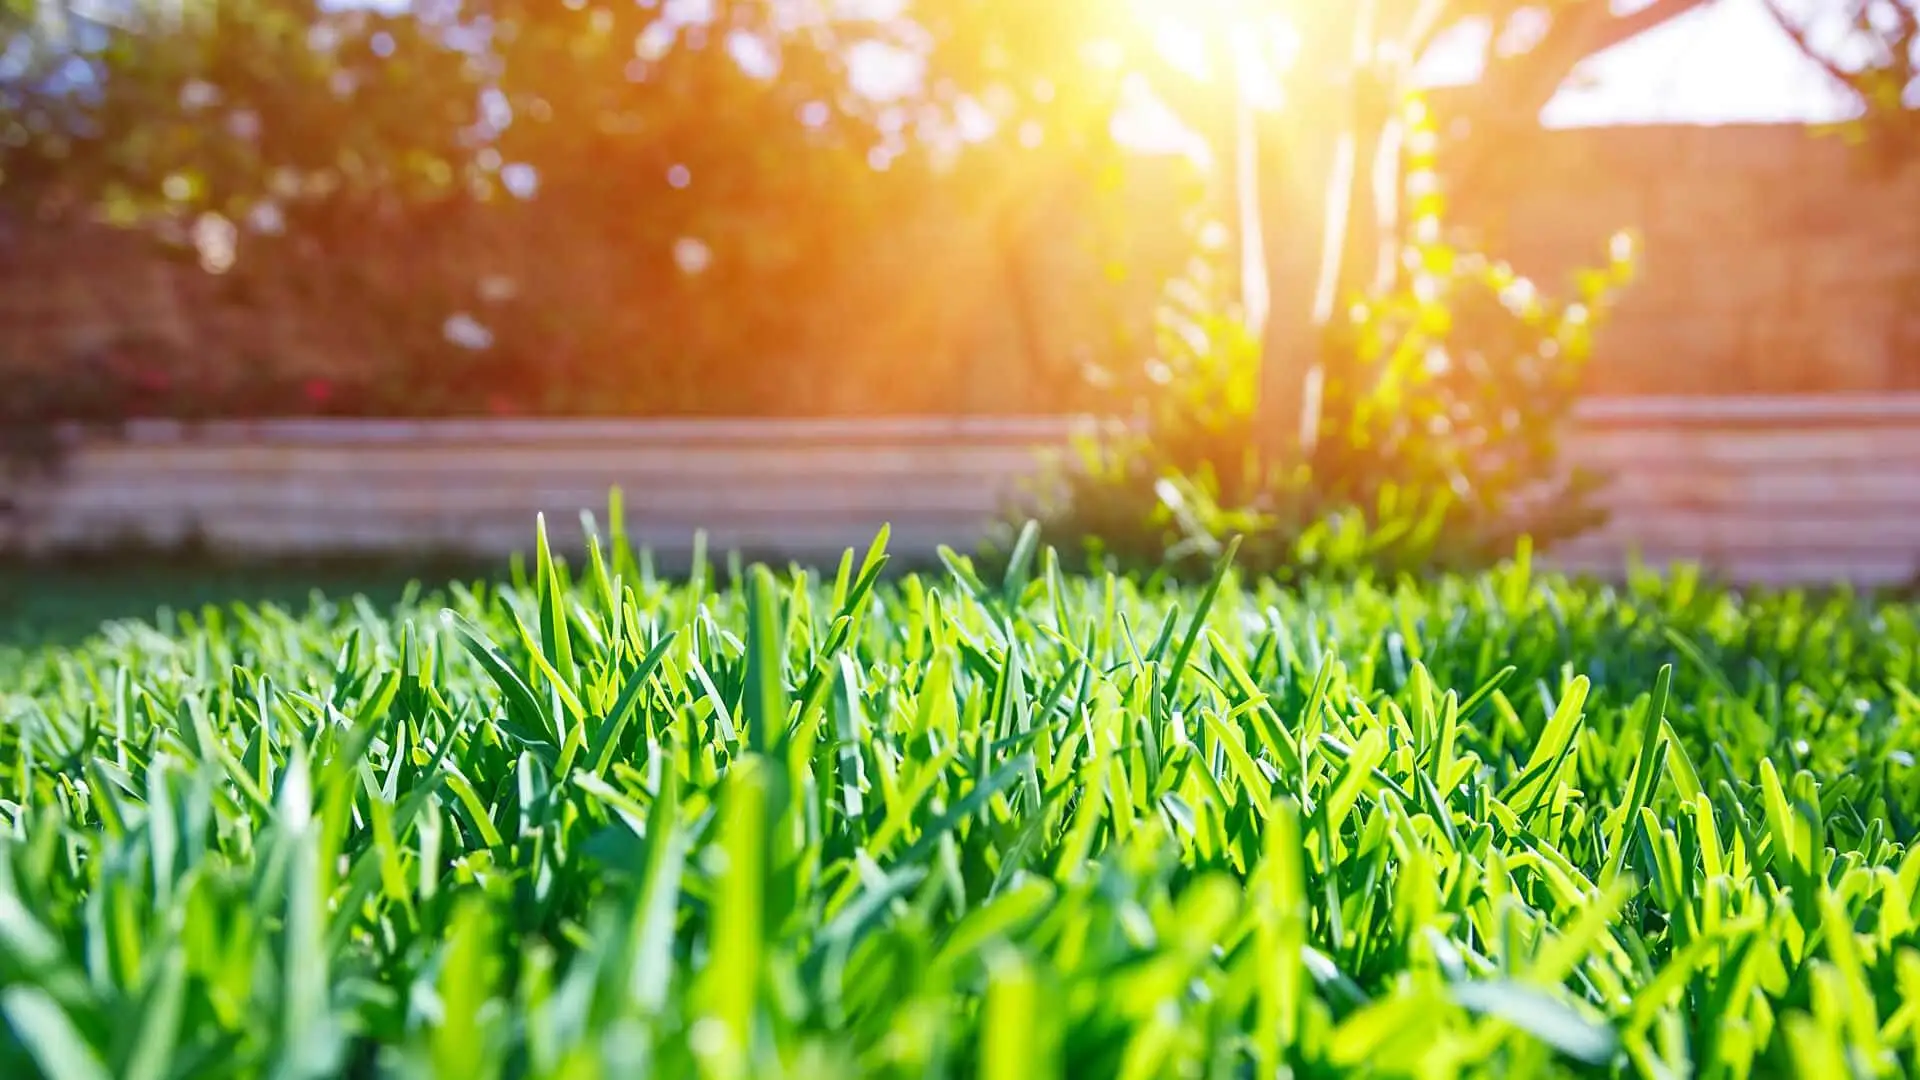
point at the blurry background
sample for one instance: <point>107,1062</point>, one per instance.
<point>923,210</point>
<point>799,207</point>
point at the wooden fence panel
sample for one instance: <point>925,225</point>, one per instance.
<point>1772,490</point>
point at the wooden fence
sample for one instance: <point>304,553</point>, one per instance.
<point>1761,490</point>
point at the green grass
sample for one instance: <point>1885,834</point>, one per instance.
<point>48,601</point>
<point>599,824</point>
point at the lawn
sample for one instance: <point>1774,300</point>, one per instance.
<point>63,601</point>
<point>603,824</point>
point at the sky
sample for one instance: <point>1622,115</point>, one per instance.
<point>1724,63</point>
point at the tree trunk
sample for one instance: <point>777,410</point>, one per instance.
<point>1319,187</point>
<point>1319,224</point>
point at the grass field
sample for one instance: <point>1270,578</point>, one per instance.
<point>62,602</point>
<point>599,824</point>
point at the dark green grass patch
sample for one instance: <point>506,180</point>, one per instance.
<point>602,824</point>
<point>48,601</point>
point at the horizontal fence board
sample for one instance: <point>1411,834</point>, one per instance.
<point>1628,447</point>
<point>1788,488</point>
<point>1619,556</point>
<point>1764,490</point>
<point>669,433</point>
<point>1863,570</point>
<point>1741,531</point>
<point>1806,493</point>
<point>319,532</point>
<point>561,495</point>
<point>487,457</point>
<point>1612,449</point>
<point>177,523</point>
<point>293,536</point>
<point>1670,413</point>
<point>1845,410</point>
<point>480,463</point>
<point>1870,522</point>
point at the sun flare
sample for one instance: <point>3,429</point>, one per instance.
<point>1201,37</point>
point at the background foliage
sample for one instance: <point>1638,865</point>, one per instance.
<point>1446,399</point>
<point>608,208</point>
<point>620,207</point>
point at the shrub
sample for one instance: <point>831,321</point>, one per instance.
<point>1437,440</point>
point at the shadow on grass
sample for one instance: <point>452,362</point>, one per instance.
<point>63,601</point>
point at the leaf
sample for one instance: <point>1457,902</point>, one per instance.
<point>1010,1042</point>
<point>556,639</point>
<point>462,1043</point>
<point>1199,622</point>
<point>1542,1015</point>
<point>49,1035</point>
<point>731,984</point>
<point>525,719</point>
<point>663,861</point>
<point>766,700</point>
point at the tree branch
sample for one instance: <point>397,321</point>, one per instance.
<point>1788,27</point>
<point>1513,90</point>
<point>1879,84</point>
<point>1622,28</point>
<point>1528,81</point>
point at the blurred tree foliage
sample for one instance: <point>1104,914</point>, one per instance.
<point>1299,104</point>
<point>1871,50</point>
<point>633,202</point>
<point>1440,434</point>
<point>557,206</point>
<point>180,108</point>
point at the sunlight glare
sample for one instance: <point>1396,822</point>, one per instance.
<point>1239,48</point>
<point>1193,35</point>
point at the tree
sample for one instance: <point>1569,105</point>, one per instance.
<point>1315,179</point>
<point>649,189</point>
<point>1337,183</point>
<point>191,108</point>
<point>613,104</point>
<point>1870,48</point>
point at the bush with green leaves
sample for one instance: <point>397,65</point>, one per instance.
<point>1435,442</point>
<point>595,822</point>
